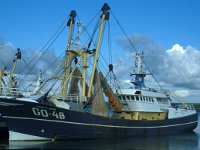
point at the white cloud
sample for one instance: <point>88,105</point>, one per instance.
<point>178,66</point>
<point>182,93</point>
<point>175,68</point>
<point>183,67</point>
<point>176,48</point>
<point>31,61</point>
<point>9,45</point>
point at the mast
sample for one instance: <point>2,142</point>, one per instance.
<point>105,16</point>
<point>84,73</point>
<point>12,81</point>
<point>70,23</point>
<point>68,57</point>
<point>79,34</point>
<point>139,72</point>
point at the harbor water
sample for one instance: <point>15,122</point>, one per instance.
<point>186,141</point>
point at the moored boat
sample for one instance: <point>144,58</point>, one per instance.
<point>74,114</point>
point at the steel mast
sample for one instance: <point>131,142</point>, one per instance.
<point>105,16</point>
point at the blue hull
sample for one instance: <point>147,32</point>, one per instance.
<point>57,123</point>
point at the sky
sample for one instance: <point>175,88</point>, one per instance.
<point>167,31</point>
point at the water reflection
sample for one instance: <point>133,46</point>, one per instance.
<point>167,142</point>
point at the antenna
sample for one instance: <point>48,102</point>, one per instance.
<point>139,72</point>
<point>79,24</point>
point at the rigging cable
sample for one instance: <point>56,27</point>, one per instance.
<point>124,32</point>
<point>49,66</point>
<point>31,71</point>
<point>85,27</point>
<point>115,79</point>
<point>2,62</point>
<point>10,63</point>
<point>109,45</point>
<point>93,34</point>
<point>135,49</point>
<point>56,81</point>
<point>49,43</point>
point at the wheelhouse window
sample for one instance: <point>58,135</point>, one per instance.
<point>147,98</point>
<point>150,99</point>
<point>137,98</point>
<point>163,100</point>
<point>128,97</point>
<point>137,92</point>
<point>144,98</point>
<point>132,98</point>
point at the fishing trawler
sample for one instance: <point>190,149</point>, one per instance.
<point>70,113</point>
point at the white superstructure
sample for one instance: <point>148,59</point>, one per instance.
<point>143,100</point>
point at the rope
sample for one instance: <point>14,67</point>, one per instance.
<point>109,43</point>
<point>48,44</point>
<point>124,32</point>
<point>135,50</point>
<point>3,63</point>
<point>48,67</point>
<point>85,27</point>
<point>96,27</point>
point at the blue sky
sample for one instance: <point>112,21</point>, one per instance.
<point>29,23</point>
<point>169,29</point>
